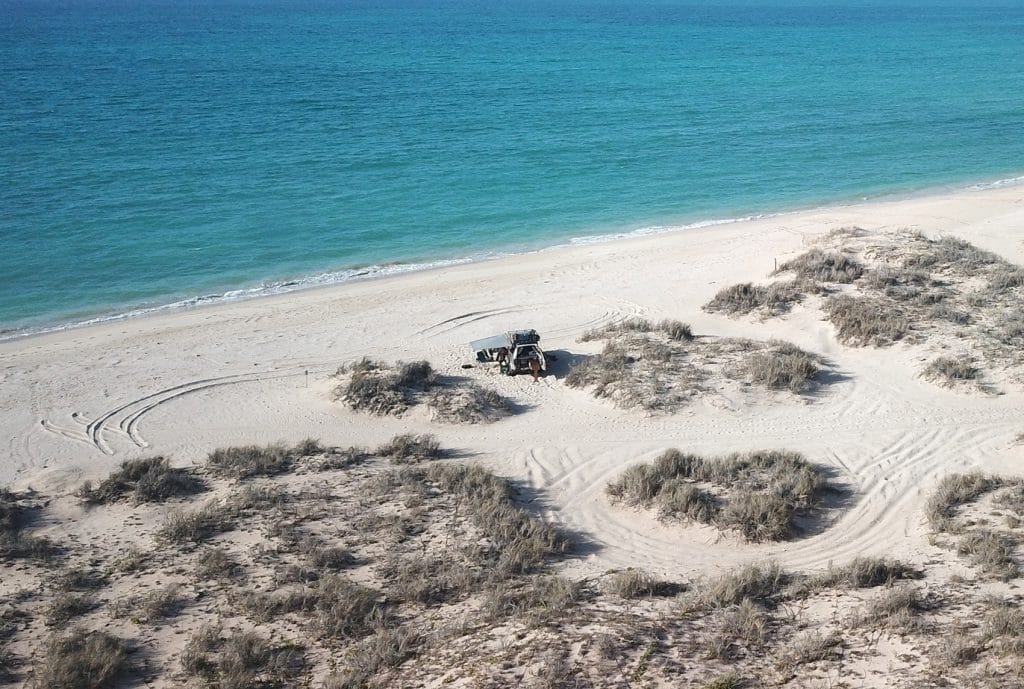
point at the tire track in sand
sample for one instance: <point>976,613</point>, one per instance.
<point>123,420</point>
<point>882,513</point>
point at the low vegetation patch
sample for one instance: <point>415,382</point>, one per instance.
<point>864,572</point>
<point>380,389</point>
<point>635,583</point>
<point>991,549</point>
<point>659,372</point>
<point>781,366</point>
<point>817,266</point>
<point>861,321</point>
<point>953,491</point>
<point>468,403</point>
<point>198,526</point>
<point>82,659</point>
<point>762,583</point>
<point>143,480</point>
<point>950,371</point>
<point>769,300</point>
<point>904,287</point>
<point>899,607</point>
<point>242,660</point>
<point>259,460</point>
<point>408,448</point>
<point>760,495</point>
<point>152,608</point>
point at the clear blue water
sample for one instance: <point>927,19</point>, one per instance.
<point>153,151</point>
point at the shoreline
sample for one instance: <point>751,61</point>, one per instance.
<point>351,275</point>
<point>179,385</point>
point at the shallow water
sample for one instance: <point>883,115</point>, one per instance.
<point>155,153</point>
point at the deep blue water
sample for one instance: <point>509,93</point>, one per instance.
<point>153,151</point>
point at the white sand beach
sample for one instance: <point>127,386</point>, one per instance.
<point>77,403</point>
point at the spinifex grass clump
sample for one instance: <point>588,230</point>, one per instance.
<point>380,389</point>
<point>259,460</point>
<point>468,403</point>
<point>950,371</point>
<point>759,494</point>
<point>143,480</point>
<point>953,491</point>
<point>781,366</point>
<point>770,300</point>
<point>661,369</point>
<point>817,266</point>
<point>375,387</point>
<point>408,448</point>
<point>863,321</point>
<point>242,660</point>
<point>82,660</point>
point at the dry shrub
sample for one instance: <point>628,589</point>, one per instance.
<point>950,253</point>
<point>1005,278</point>
<point>953,491</point>
<point>759,517</point>
<point>956,650</point>
<point>80,579</point>
<point>537,598</point>
<point>680,500</point>
<point>152,608</point>
<point>730,680</point>
<point>468,403</point>
<point>761,583</point>
<point>517,542</point>
<point>949,370</point>
<point>255,460</point>
<point>242,661</point>
<point>772,300</point>
<point>68,606</point>
<point>143,480</point>
<point>346,609</point>
<point>635,583</point>
<point>993,552</point>
<point>368,662</point>
<point>899,607</point>
<point>767,490</point>
<point>944,311</point>
<point>782,367</point>
<point>408,448</point>
<point>742,627</point>
<point>1009,328</point>
<point>863,572</point>
<point>379,389</point>
<point>429,580</point>
<point>1003,627</point>
<point>676,330</point>
<point>216,563</point>
<point>199,525</point>
<point>824,266</point>
<point>810,647</point>
<point>862,321</point>
<point>81,660</point>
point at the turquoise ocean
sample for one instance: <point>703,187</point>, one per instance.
<point>158,152</point>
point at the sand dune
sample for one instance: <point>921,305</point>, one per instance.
<point>76,403</point>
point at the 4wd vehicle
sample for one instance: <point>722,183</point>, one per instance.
<point>514,351</point>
